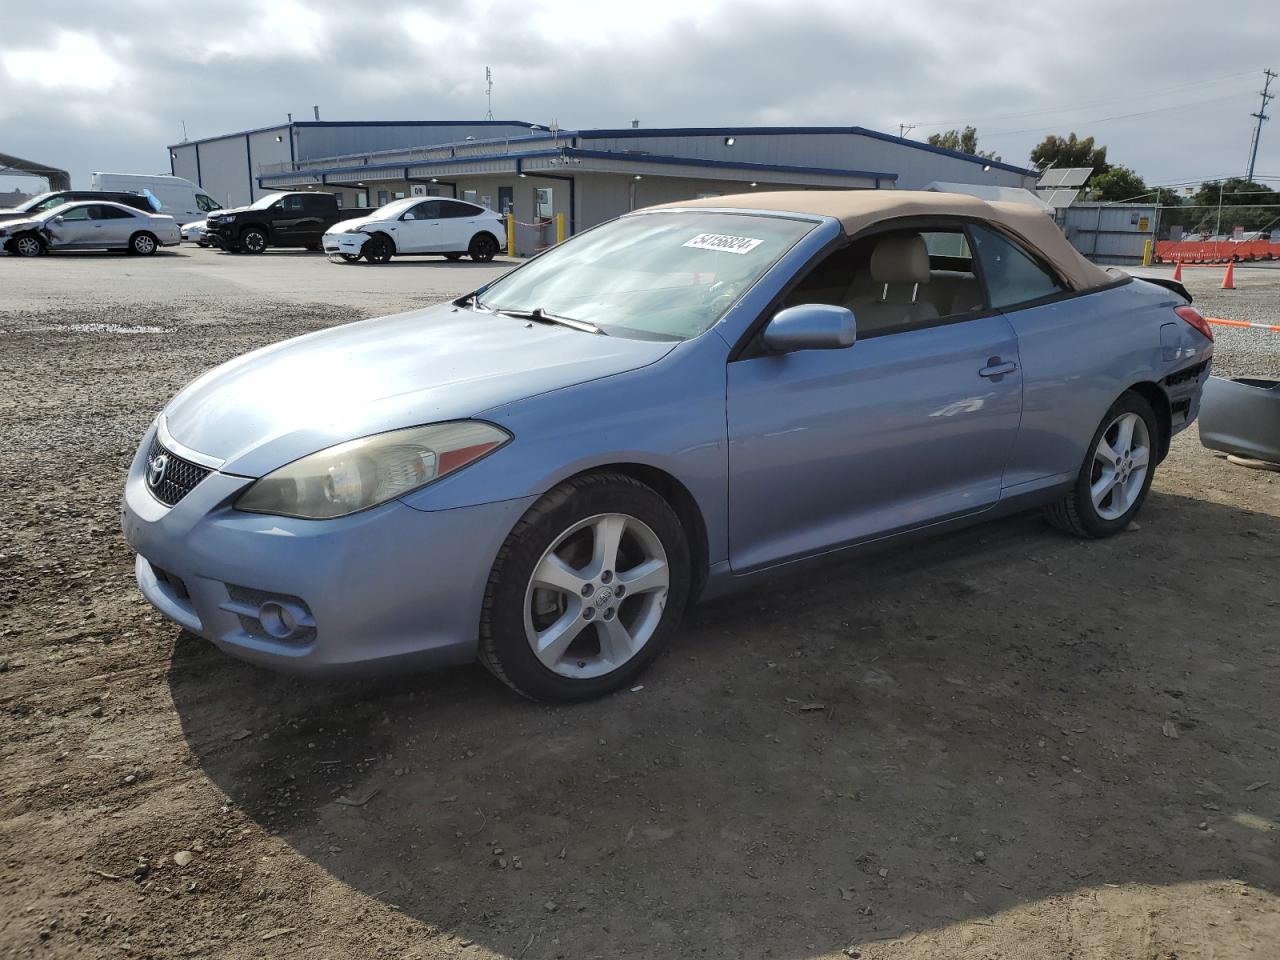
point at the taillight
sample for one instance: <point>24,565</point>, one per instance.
<point>1193,317</point>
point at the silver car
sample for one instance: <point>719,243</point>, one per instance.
<point>97,225</point>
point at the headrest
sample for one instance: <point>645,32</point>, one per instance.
<point>900,258</point>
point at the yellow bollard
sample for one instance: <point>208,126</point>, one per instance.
<point>1146,253</point>
<point>559,228</point>
<point>511,234</point>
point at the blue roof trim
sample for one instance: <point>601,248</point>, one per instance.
<point>727,164</point>
<point>634,132</point>
<point>589,154</point>
<point>360,123</point>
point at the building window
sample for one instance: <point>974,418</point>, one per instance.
<point>362,198</point>
<point>382,198</point>
<point>469,195</point>
<point>337,198</point>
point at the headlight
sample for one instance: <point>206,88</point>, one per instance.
<point>358,228</point>
<point>360,474</point>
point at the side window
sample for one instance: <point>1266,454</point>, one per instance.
<point>428,210</point>
<point>295,202</point>
<point>77,213</point>
<point>1012,276</point>
<point>897,281</point>
<point>206,204</point>
<point>453,209</point>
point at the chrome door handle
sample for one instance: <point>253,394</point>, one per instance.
<point>997,368</point>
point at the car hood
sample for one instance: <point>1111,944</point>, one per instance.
<point>18,219</point>
<point>272,406</point>
<point>345,226</point>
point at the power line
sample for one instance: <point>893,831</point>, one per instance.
<point>1128,98</point>
<point>1119,116</point>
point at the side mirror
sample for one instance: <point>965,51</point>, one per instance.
<point>59,218</point>
<point>811,326</point>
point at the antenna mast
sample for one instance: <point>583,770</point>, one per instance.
<point>488,91</point>
<point>1262,117</point>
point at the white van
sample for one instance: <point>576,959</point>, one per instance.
<point>179,198</point>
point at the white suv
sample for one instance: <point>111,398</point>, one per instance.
<point>418,225</point>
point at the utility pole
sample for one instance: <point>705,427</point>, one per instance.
<point>488,91</point>
<point>1261,115</point>
<point>905,128</point>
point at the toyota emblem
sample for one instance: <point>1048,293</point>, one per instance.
<point>156,468</point>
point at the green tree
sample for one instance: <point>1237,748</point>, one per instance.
<point>1244,203</point>
<point>1070,151</point>
<point>1118,183</point>
<point>966,141</point>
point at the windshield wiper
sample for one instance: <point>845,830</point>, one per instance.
<point>539,315</point>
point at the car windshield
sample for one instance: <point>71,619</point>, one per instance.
<point>34,202</point>
<point>655,276</point>
<point>263,202</point>
<point>396,207</point>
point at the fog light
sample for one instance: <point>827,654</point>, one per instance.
<point>281,620</point>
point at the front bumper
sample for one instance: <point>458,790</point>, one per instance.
<point>378,590</point>
<point>219,235</point>
<point>344,244</point>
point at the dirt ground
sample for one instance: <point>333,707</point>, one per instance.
<point>1002,743</point>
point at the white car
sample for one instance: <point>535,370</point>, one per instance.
<point>436,225</point>
<point>88,225</point>
<point>194,232</point>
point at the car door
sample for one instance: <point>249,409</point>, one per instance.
<point>419,228</point>
<point>114,225</point>
<point>72,226</point>
<point>288,215</point>
<point>909,426</point>
<point>458,225</point>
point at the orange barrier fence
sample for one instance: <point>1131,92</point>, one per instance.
<point>1218,251</point>
<point>1273,327</point>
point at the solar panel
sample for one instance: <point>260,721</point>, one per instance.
<point>1051,178</point>
<point>1058,199</point>
<point>1075,176</point>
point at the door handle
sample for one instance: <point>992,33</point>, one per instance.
<point>997,368</point>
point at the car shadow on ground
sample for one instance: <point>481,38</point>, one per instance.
<point>894,743</point>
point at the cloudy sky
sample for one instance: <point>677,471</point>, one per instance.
<point>1168,87</point>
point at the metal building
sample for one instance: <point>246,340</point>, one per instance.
<point>535,173</point>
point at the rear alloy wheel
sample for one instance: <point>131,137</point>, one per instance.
<point>586,591</point>
<point>377,249</point>
<point>1116,474</point>
<point>142,244</point>
<point>28,245</point>
<point>253,240</point>
<point>483,248</point>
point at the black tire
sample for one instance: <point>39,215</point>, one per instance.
<point>504,645</point>
<point>253,240</point>
<point>28,245</point>
<point>483,248</point>
<point>1076,512</point>
<point>378,249</point>
<point>453,256</point>
<point>143,244</point>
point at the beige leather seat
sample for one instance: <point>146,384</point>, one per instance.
<point>899,268</point>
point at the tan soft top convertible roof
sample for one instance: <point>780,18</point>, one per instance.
<point>859,209</point>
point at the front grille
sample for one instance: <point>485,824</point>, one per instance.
<point>178,479</point>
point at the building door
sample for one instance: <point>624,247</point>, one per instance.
<point>506,200</point>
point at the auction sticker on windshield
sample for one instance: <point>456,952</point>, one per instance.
<point>723,242</point>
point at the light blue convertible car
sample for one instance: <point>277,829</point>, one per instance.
<point>544,474</point>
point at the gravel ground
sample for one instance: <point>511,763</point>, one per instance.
<point>1001,743</point>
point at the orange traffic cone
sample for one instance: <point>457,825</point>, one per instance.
<point>1177,271</point>
<point>1229,278</point>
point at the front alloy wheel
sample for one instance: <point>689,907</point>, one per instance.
<point>587,589</point>
<point>253,240</point>
<point>1116,475</point>
<point>28,245</point>
<point>377,249</point>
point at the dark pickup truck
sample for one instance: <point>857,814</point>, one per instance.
<point>278,220</point>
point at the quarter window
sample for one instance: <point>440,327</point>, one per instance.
<point>103,212</point>
<point>1012,276</point>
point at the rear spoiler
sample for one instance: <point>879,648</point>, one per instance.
<point>1168,284</point>
<point>1173,285</point>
